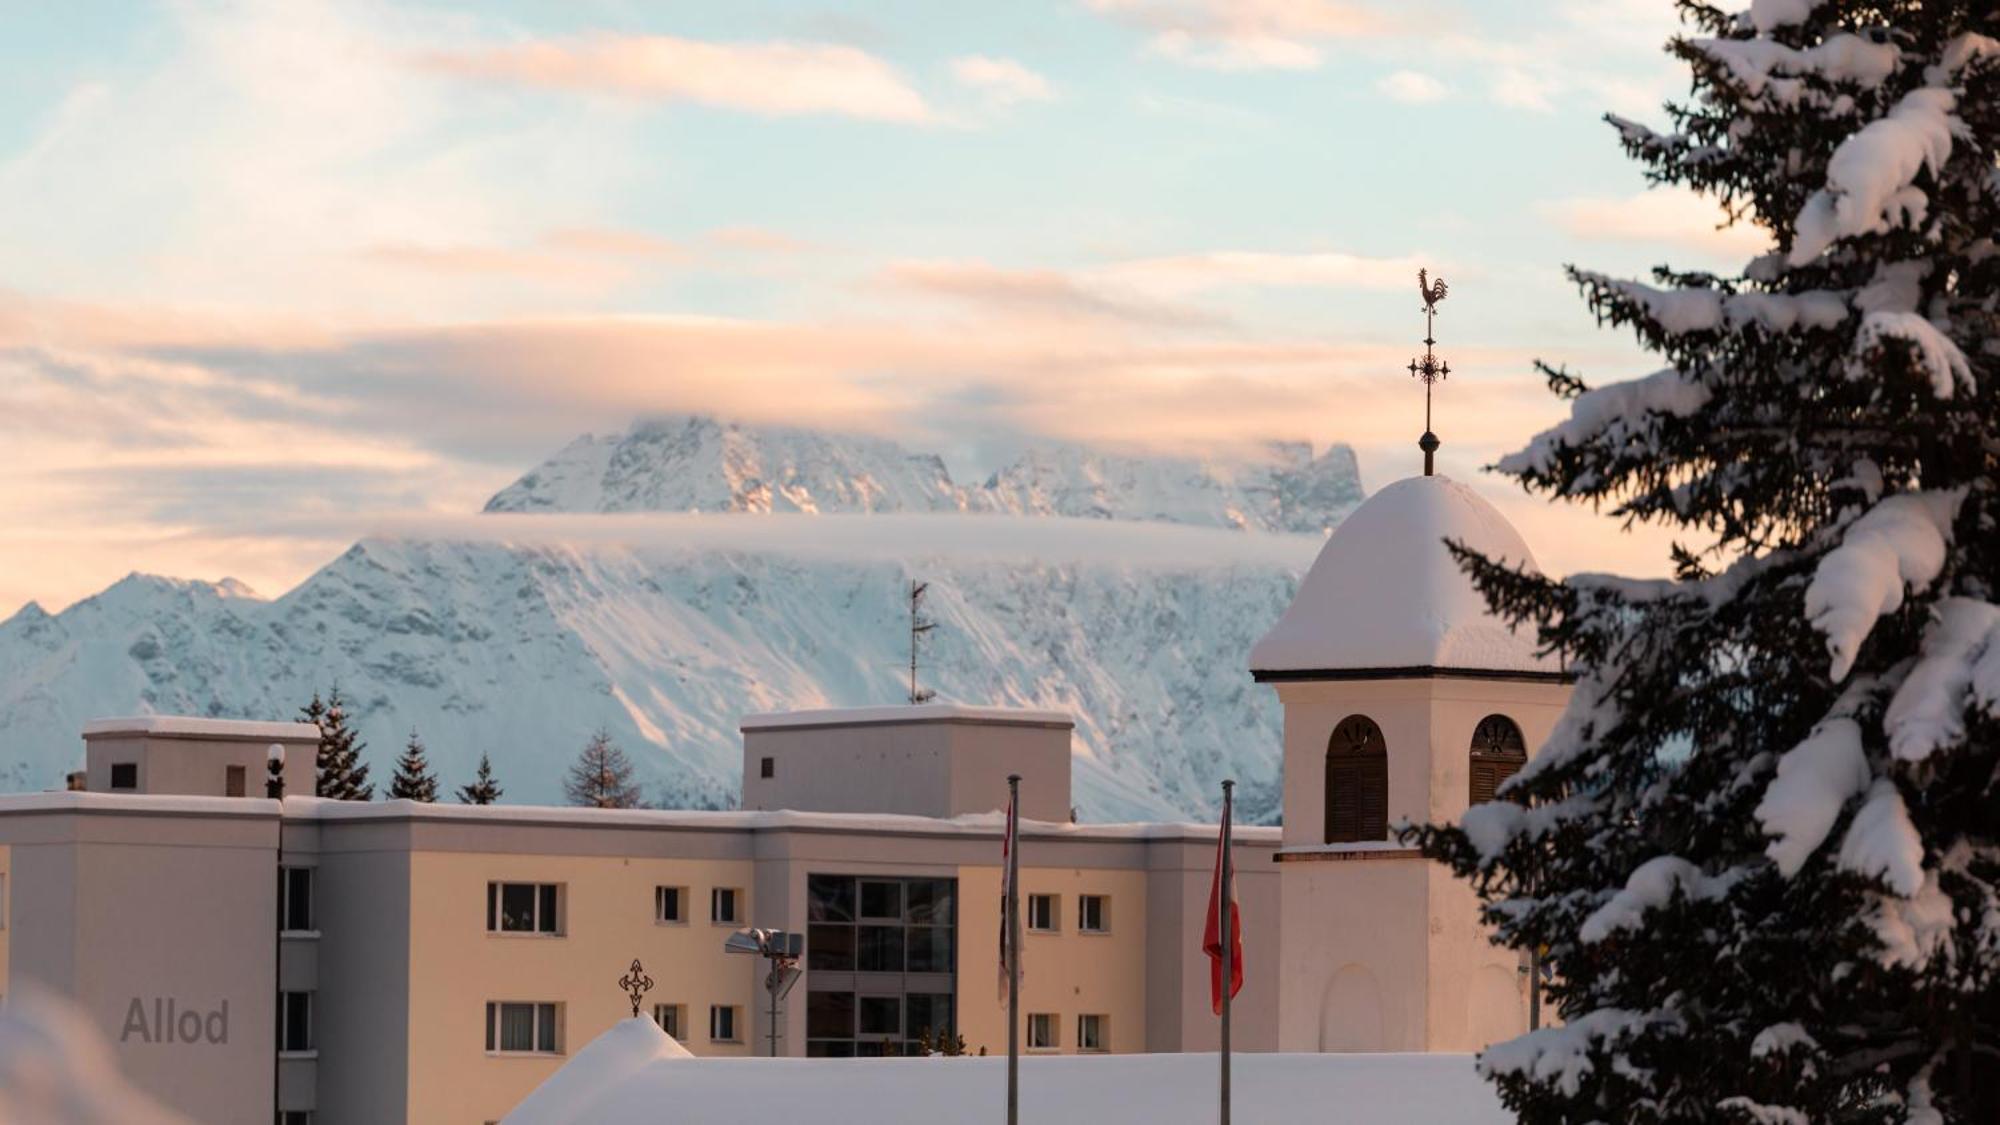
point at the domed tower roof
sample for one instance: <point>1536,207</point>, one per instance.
<point>1386,597</point>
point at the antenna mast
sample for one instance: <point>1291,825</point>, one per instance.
<point>1430,368</point>
<point>919,625</point>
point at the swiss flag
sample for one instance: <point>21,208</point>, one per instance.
<point>1211,939</point>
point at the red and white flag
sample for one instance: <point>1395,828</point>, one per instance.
<point>1007,844</point>
<point>1211,938</point>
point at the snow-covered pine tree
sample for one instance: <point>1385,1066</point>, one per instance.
<point>484,790</point>
<point>1761,847</point>
<point>601,776</point>
<point>414,780</point>
<point>342,775</point>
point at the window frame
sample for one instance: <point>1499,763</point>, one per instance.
<point>1052,923</point>
<point>286,899</point>
<point>1084,924</point>
<point>1102,1024</point>
<point>547,898</point>
<point>735,906</point>
<point>735,1014</point>
<point>1052,1022</point>
<point>127,770</point>
<point>1356,767</point>
<point>235,781</point>
<point>1497,752</point>
<point>553,1025</point>
<point>286,1046</point>
<point>681,896</point>
<point>679,1014</point>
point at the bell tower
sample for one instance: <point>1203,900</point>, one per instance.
<point>1405,700</point>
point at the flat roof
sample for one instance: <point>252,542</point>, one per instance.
<point>185,726</point>
<point>908,714</point>
<point>137,804</point>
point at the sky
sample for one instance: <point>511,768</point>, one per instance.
<point>274,275</point>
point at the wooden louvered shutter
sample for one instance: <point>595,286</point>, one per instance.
<point>1498,753</point>
<point>1372,816</point>
<point>1343,799</point>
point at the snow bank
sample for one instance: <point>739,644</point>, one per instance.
<point>1940,359</point>
<point>1609,414</point>
<point>1960,665</point>
<point>575,1092</point>
<point>1651,885</point>
<point>55,1069</point>
<point>1869,180</point>
<point>620,1087</point>
<point>1815,780</point>
<point>1883,843</point>
<point>1900,541</point>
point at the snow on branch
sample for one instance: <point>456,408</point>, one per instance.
<point>1562,1054</point>
<point>1869,180</point>
<point>1960,665</point>
<point>1653,885</point>
<point>1882,842</point>
<point>1941,360</point>
<point>1913,929</point>
<point>1763,64</point>
<point>1814,782</point>
<point>1899,542</point>
<point>1612,414</point>
<point>1769,15</point>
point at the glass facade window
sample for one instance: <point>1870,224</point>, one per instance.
<point>295,899</point>
<point>520,1027</point>
<point>670,904</point>
<point>1041,913</point>
<point>1042,1031</point>
<point>295,1029</point>
<point>523,908</point>
<point>881,959</point>
<point>1093,914</point>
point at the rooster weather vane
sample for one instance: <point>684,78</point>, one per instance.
<point>1430,368</point>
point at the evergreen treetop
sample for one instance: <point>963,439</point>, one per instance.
<point>414,780</point>
<point>341,774</point>
<point>1762,847</point>
<point>484,790</point>
<point>601,776</point>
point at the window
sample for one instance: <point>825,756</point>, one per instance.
<point>1093,914</point>
<point>1357,782</point>
<point>1042,1031</point>
<point>124,775</point>
<point>767,768</point>
<point>672,1018</point>
<point>3,900</point>
<point>295,1021</point>
<point>723,903</point>
<point>1090,1033</point>
<point>233,779</point>
<point>881,959</point>
<point>722,1023</point>
<point>1041,913</point>
<point>670,905</point>
<point>295,1117</point>
<point>522,908</point>
<point>1498,753</point>
<point>295,899</point>
<point>521,1028</point>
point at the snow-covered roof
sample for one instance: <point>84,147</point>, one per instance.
<point>1385,593</point>
<point>185,726</point>
<point>629,1073</point>
<point>933,712</point>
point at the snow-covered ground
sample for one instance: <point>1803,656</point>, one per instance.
<point>634,1073</point>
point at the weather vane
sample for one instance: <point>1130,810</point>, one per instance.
<point>1430,368</point>
<point>636,984</point>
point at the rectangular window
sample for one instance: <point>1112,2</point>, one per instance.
<point>672,1018</point>
<point>670,904</point>
<point>902,933</point>
<point>767,768</point>
<point>125,775</point>
<point>722,1023</point>
<point>295,1021</point>
<point>1093,914</point>
<point>295,1117</point>
<point>1090,1033</point>
<point>521,1028</point>
<point>233,781</point>
<point>1042,1031</point>
<point>1041,913</point>
<point>882,1016</point>
<point>522,908</point>
<point>295,899</point>
<point>724,904</point>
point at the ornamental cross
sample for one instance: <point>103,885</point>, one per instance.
<point>1430,368</point>
<point>636,983</point>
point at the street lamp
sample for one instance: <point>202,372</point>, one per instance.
<point>783,950</point>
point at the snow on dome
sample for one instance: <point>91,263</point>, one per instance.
<point>1386,593</point>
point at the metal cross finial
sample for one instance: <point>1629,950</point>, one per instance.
<point>636,984</point>
<point>1430,368</point>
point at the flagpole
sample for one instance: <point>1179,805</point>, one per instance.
<point>1013,924</point>
<point>1228,946</point>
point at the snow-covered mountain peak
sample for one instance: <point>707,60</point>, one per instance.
<point>699,464</point>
